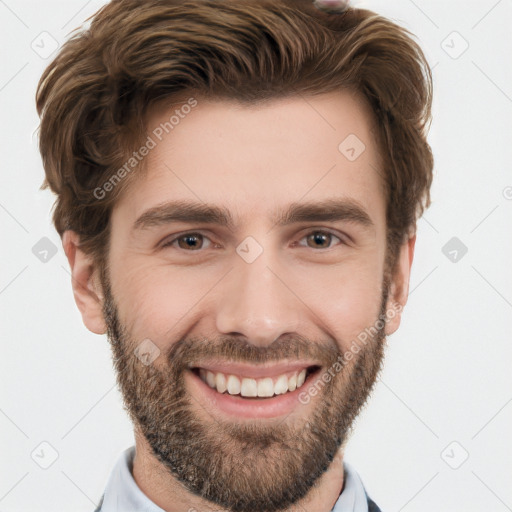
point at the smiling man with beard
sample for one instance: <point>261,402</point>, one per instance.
<point>238,185</point>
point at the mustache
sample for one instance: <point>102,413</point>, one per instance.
<point>191,351</point>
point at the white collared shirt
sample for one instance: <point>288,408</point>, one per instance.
<point>122,494</point>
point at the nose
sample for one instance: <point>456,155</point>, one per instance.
<point>256,301</point>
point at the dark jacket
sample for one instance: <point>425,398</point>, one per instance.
<point>372,507</point>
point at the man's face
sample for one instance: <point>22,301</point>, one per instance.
<point>265,299</point>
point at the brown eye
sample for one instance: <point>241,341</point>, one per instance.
<point>320,239</point>
<point>188,242</point>
<point>192,241</point>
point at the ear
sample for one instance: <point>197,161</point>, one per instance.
<point>399,286</point>
<point>86,284</point>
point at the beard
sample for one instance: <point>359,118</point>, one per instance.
<point>258,466</point>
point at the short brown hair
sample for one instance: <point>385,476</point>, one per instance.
<point>94,96</point>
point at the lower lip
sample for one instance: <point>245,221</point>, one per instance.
<point>235,405</point>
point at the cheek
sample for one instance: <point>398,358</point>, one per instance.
<point>156,301</point>
<point>346,301</point>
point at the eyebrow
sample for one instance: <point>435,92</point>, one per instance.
<point>327,210</point>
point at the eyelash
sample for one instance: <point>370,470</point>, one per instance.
<point>169,243</point>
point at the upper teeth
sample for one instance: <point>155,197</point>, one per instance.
<point>264,387</point>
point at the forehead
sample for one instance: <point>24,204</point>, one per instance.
<point>255,159</point>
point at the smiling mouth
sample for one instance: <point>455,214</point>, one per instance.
<point>254,388</point>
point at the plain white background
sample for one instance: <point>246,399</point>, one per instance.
<point>436,432</point>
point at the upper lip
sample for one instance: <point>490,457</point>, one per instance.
<point>255,371</point>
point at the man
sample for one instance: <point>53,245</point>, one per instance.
<point>238,184</point>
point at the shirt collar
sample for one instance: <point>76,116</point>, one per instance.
<point>353,497</point>
<point>122,494</point>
